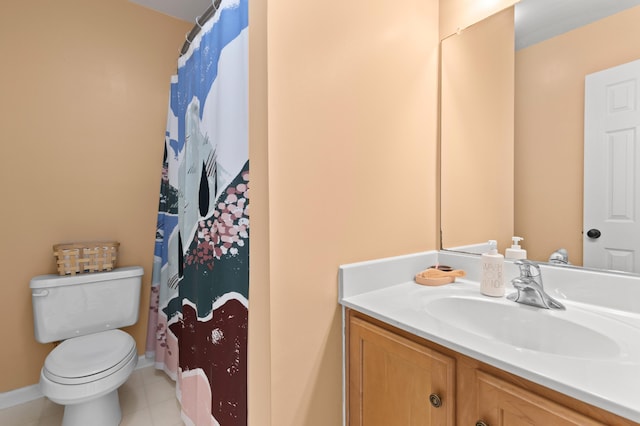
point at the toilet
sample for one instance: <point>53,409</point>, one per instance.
<point>95,358</point>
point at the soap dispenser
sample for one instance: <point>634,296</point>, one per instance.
<point>492,265</point>
<point>515,252</point>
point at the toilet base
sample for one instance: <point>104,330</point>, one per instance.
<point>103,411</point>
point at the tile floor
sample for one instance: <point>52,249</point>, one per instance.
<point>148,398</point>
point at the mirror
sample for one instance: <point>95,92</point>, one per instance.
<point>546,170</point>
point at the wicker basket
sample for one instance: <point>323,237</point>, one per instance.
<point>78,258</point>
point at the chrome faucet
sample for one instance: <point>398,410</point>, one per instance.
<point>560,257</point>
<point>530,290</point>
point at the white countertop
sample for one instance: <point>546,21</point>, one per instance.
<point>384,289</point>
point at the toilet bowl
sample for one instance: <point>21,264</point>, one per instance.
<point>84,372</point>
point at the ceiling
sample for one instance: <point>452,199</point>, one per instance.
<point>538,20</point>
<point>187,10</point>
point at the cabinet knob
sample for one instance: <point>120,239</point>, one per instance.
<point>435,400</point>
<point>481,423</point>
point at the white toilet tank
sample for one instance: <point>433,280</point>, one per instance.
<point>70,306</point>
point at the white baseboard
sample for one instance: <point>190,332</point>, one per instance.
<point>19,396</point>
<point>31,393</point>
<point>144,362</point>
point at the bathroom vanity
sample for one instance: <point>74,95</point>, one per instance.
<point>418,355</point>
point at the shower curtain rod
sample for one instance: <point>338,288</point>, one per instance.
<point>200,21</point>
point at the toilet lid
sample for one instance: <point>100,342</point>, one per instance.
<point>82,358</point>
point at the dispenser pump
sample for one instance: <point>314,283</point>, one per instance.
<point>516,241</point>
<point>516,252</point>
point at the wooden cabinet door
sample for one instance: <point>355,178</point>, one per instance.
<point>504,404</point>
<point>392,380</point>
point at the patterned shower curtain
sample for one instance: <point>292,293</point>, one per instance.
<point>199,300</point>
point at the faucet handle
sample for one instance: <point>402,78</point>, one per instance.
<point>528,268</point>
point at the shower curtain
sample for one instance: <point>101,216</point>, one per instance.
<point>200,282</point>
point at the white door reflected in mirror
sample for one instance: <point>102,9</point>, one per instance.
<point>611,175</point>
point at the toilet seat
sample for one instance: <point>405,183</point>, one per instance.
<point>89,358</point>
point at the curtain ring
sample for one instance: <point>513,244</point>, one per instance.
<point>198,23</point>
<point>186,38</point>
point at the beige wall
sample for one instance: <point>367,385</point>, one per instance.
<point>259,358</point>
<point>549,128</point>
<point>351,127</point>
<point>84,89</point>
<point>477,133</point>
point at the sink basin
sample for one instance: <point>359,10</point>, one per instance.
<point>526,327</point>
